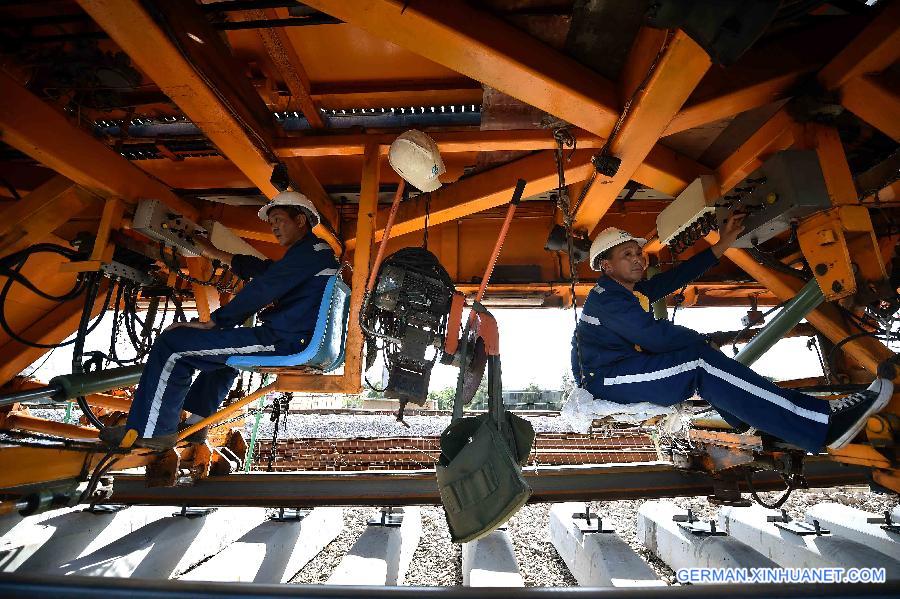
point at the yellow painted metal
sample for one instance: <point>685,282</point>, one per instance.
<point>31,219</point>
<point>663,170</point>
<point>362,257</point>
<point>283,54</point>
<point>29,465</point>
<point>875,100</point>
<point>827,319</point>
<point>135,31</point>
<point>876,48</point>
<point>205,296</point>
<point>889,479</point>
<point>776,134</point>
<point>110,220</point>
<point>32,126</point>
<point>840,245</point>
<point>861,455</point>
<point>677,64</point>
<point>826,142</point>
<point>25,422</point>
<point>228,410</point>
<point>472,42</point>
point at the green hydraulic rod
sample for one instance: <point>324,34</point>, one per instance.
<point>70,386</point>
<point>807,299</point>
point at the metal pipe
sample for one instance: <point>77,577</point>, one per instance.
<point>37,395</point>
<point>796,309</point>
<point>549,484</point>
<point>70,386</point>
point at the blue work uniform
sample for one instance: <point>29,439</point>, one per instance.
<point>292,288</point>
<point>627,356</point>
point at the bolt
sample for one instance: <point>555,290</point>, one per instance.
<point>836,286</point>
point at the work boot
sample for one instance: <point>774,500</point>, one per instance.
<point>197,437</point>
<point>112,436</point>
<point>849,415</point>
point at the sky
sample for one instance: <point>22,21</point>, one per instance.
<point>534,348</point>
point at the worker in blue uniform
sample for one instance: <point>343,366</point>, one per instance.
<point>621,353</point>
<point>291,287</point>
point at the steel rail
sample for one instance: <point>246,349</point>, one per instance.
<point>34,586</point>
<point>398,488</point>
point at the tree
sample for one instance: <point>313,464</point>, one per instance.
<point>443,398</point>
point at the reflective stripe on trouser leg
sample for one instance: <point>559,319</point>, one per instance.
<point>167,375</point>
<point>666,379</point>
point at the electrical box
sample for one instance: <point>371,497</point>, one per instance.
<point>788,187</point>
<point>157,221</point>
<point>227,240</point>
<point>691,216</point>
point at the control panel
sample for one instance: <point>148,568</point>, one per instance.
<point>789,186</point>
<point>691,216</point>
<point>157,221</point>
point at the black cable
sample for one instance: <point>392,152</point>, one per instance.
<point>889,336</point>
<point>748,476</point>
<point>778,265</point>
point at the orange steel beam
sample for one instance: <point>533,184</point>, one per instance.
<point>30,465</point>
<point>876,100</point>
<point>756,79</point>
<point>38,214</point>
<point>876,48</point>
<point>362,257</point>
<point>679,69</point>
<point>472,42</point>
<point>235,124</point>
<point>470,140</point>
<point>284,56</point>
<point>378,94</point>
<point>32,126</point>
<point>25,422</point>
<point>827,319</point>
<point>663,170</point>
<point>776,134</point>
<point>826,142</point>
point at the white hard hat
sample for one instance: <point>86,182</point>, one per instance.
<point>609,238</point>
<point>292,198</point>
<point>416,158</point>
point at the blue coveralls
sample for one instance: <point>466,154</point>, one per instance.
<point>293,285</point>
<point>628,356</point>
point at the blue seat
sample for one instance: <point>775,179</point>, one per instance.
<point>325,351</point>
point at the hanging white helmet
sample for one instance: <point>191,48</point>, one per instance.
<point>292,198</point>
<point>609,238</point>
<point>416,158</point>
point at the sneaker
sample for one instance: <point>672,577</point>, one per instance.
<point>112,436</point>
<point>849,415</point>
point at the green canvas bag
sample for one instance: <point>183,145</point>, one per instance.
<point>479,471</point>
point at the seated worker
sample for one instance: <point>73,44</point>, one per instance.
<point>627,356</point>
<point>294,287</point>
